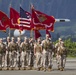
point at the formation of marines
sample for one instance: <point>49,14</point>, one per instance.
<point>32,54</point>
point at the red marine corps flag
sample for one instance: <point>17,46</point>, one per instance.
<point>35,23</point>
<point>4,21</point>
<point>51,27</point>
<point>37,34</point>
<point>14,17</point>
<point>2,28</point>
<point>47,32</point>
<point>41,20</point>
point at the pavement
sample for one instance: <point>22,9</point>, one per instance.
<point>70,69</point>
<point>69,59</point>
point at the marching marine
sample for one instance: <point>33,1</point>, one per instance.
<point>2,53</point>
<point>38,53</point>
<point>47,53</point>
<point>18,52</point>
<point>24,52</point>
<point>13,53</point>
<point>61,54</point>
<point>7,64</point>
<point>31,53</point>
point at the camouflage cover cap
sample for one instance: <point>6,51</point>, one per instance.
<point>0,38</point>
<point>47,35</point>
<point>60,39</point>
<point>12,38</point>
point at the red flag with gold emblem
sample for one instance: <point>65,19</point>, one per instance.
<point>35,23</point>
<point>4,21</point>
<point>51,28</point>
<point>3,29</point>
<point>37,34</point>
<point>47,32</point>
<point>41,20</point>
<point>14,17</point>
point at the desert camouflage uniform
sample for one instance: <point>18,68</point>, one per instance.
<point>7,52</point>
<point>2,53</point>
<point>47,54</point>
<point>38,54</point>
<point>18,52</point>
<point>13,53</point>
<point>31,54</point>
<point>61,54</point>
<point>24,52</point>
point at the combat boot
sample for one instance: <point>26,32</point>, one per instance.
<point>61,69</point>
<point>33,68</point>
<point>58,68</point>
<point>44,69</point>
<point>28,68</point>
<point>49,69</point>
<point>0,68</point>
<point>41,68</point>
<point>25,68</point>
<point>12,68</point>
<point>19,68</point>
<point>7,68</point>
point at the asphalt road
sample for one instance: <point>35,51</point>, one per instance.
<point>70,69</point>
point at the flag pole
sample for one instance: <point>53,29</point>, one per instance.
<point>20,33</point>
<point>9,32</point>
<point>31,32</point>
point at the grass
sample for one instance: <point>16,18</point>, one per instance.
<point>69,56</point>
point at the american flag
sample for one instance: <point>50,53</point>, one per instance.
<point>25,18</point>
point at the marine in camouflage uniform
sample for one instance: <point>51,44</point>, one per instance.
<point>47,53</point>
<point>2,53</point>
<point>7,52</point>
<point>61,54</point>
<point>18,52</point>
<point>13,52</point>
<point>31,53</point>
<point>38,54</point>
<point>24,52</point>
